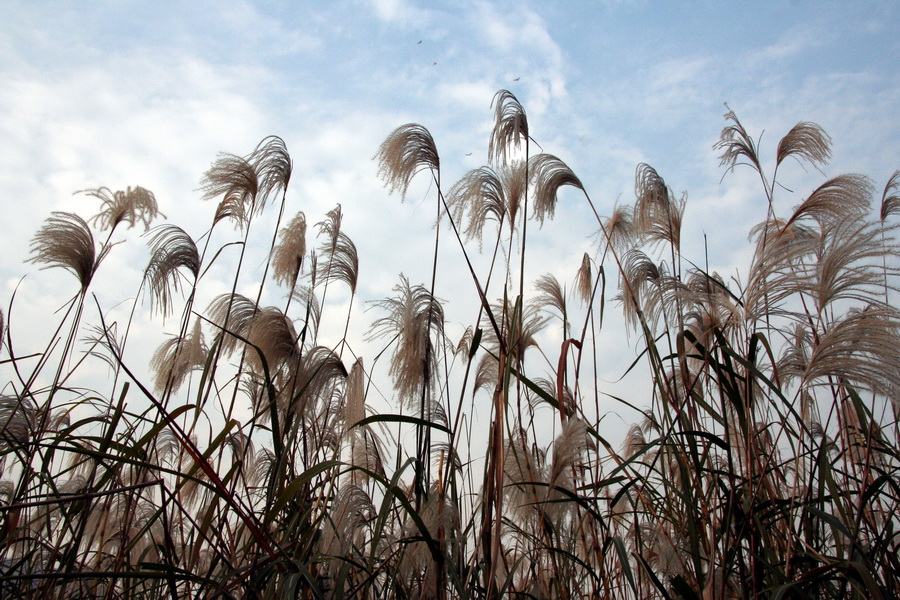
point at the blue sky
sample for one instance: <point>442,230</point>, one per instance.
<point>138,93</point>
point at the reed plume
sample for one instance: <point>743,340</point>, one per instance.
<point>273,166</point>
<point>287,261</point>
<point>657,214</point>
<point>736,145</point>
<point>807,141</point>
<point>235,179</point>
<point>416,320</point>
<point>621,231</point>
<point>274,339</point>
<point>233,313</point>
<point>551,297</point>
<point>859,349</point>
<point>66,241</point>
<point>406,151</point>
<point>548,174</point>
<point>844,197</point>
<point>510,129</point>
<point>584,282</point>
<point>177,357</point>
<point>171,249</point>
<point>18,417</point>
<point>890,197</point>
<point>130,206</point>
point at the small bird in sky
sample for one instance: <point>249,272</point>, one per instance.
<point>468,154</point>
<point>517,78</point>
<point>419,42</point>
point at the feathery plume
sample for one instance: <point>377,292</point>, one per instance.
<point>708,306</point>
<point>7,489</point>
<point>307,298</point>
<point>657,215</point>
<point>416,319</point>
<point>342,263</point>
<point>550,295</point>
<point>568,454</point>
<point>319,373</point>
<point>367,451</point>
<point>487,373</point>
<point>65,240</point>
<point>17,421</point>
<point>342,535</point>
<point>518,334</point>
<point>620,229</point>
<point>110,345</point>
<point>463,347</point>
<point>330,227</point>
<point>806,141</point>
<point>890,197</point>
<point>549,174</point>
<point>736,145</point>
<point>481,195</point>
<point>167,446</point>
<point>584,284</point>
<point>272,333</point>
<point>510,126</point>
<point>235,179</point>
<point>355,404</point>
<point>860,349</point>
<point>176,357</point>
<point>287,262</point>
<point>171,249</point>
<point>132,206</point>
<point>642,290</point>
<point>772,277</point>
<point>848,264</point>
<point>525,467</point>
<point>634,441</point>
<point>242,451</point>
<point>845,196</point>
<point>272,163</point>
<point>233,313</point>
<point>407,150</point>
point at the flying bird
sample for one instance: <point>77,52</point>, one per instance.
<point>517,78</point>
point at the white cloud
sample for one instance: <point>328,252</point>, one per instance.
<point>400,12</point>
<point>525,51</point>
<point>792,43</point>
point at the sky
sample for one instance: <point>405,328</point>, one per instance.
<point>127,93</point>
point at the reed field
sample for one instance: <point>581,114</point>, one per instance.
<point>257,457</point>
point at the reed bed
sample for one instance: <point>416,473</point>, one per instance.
<point>764,463</point>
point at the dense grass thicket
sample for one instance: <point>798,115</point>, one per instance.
<point>765,464</point>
